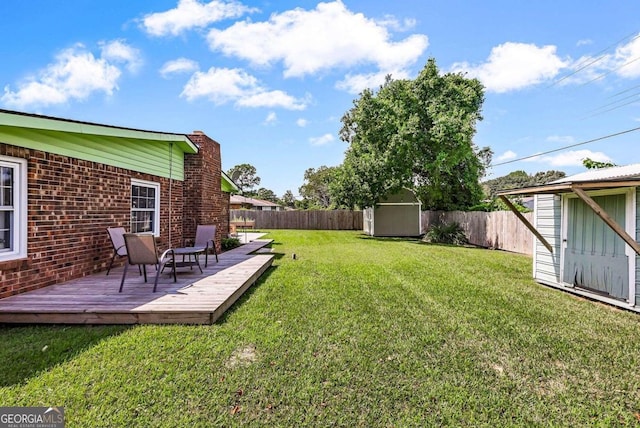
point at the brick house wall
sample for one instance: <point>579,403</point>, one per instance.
<point>205,202</point>
<point>70,204</point>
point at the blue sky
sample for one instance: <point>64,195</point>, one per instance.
<point>270,80</point>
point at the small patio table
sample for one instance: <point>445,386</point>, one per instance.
<point>188,251</point>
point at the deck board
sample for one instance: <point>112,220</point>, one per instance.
<point>194,299</point>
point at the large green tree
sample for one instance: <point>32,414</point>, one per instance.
<point>517,179</point>
<point>315,189</point>
<point>244,175</point>
<point>415,134</point>
<point>266,195</point>
<point>288,199</point>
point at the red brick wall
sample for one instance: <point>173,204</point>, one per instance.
<point>205,203</point>
<point>71,202</point>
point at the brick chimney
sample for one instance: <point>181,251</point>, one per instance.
<point>204,201</point>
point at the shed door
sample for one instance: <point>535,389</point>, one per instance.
<point>595,255</point>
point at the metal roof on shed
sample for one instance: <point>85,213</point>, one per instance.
<point>611,173</point>
<point>595,179</point>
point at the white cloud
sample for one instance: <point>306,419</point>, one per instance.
<point>118,51</point>
<point>562,139</point>
<point>626,59</point>
<point>392,22</point>
<point>271,118</point>
<point>570,158</point>
<point>356,83</point>
<point>180,65</point>
<point>508,155</point>
<point>623,62</point>
<point>191,14</point>
<point>75,75</point>
<point>223,85</point>
<point>308,42</point>
<point>277,98</point>
<point>302,122</point>
<point>322,140</point>
<point>512,66</point>
<point>584,42</point>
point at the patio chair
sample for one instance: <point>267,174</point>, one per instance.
<point>119,249</point>
<point>142,250</point>
<point>206,240</point>
<point>117,240</point>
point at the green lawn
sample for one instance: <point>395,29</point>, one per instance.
<point>354,332</point>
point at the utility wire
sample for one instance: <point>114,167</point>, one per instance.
<point>598,58</point>
<point>622,92</point>
<point>617,104</point>
<point>611,109</point>
<point>611,71</point>
<point>566,147</point>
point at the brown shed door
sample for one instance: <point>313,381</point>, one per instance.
<point>595,256</point>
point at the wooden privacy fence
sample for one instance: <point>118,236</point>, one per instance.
<point>498,229</point>
<point>311,219</point>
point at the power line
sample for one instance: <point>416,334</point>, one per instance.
<point>611,71</point>
<point>622,92</point>
<point>566,147</point>
<point>598,58</point>
<point>598,113</point>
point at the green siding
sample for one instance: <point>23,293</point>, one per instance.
<point>402,196</point>
<point>396,220</point>
<point>136,154</point>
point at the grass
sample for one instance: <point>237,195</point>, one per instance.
<point>355,331</point>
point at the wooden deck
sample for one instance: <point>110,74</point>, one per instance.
<point>195,299</point>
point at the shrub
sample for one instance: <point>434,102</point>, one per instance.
<point>451,233</point>
<point>230,243</point>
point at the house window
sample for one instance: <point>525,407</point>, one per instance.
<point>13,208</point>
<point>145,207</point>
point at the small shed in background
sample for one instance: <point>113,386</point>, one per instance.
<point>394,215</point>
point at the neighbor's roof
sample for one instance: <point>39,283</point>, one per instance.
<point>595,179</point>
<point>237,199</point>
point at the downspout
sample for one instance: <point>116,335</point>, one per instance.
<point>170,188</point>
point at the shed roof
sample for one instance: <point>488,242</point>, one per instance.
<point>595,179</point>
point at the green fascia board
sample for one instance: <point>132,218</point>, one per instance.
<point>163,158</point>
<point>228,185</point>
<point>156,153</point>
<point>23,120</point>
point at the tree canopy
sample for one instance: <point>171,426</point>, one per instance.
<point>315,190</point>
<point>244,175</point>
<point>518,179</point>
<point>415,134</point>
<point>593,164</point>
<point>266,195</point>
<point>288,200</point>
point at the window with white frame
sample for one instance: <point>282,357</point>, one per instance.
<point>13,208</point>
<point>145,207</point>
